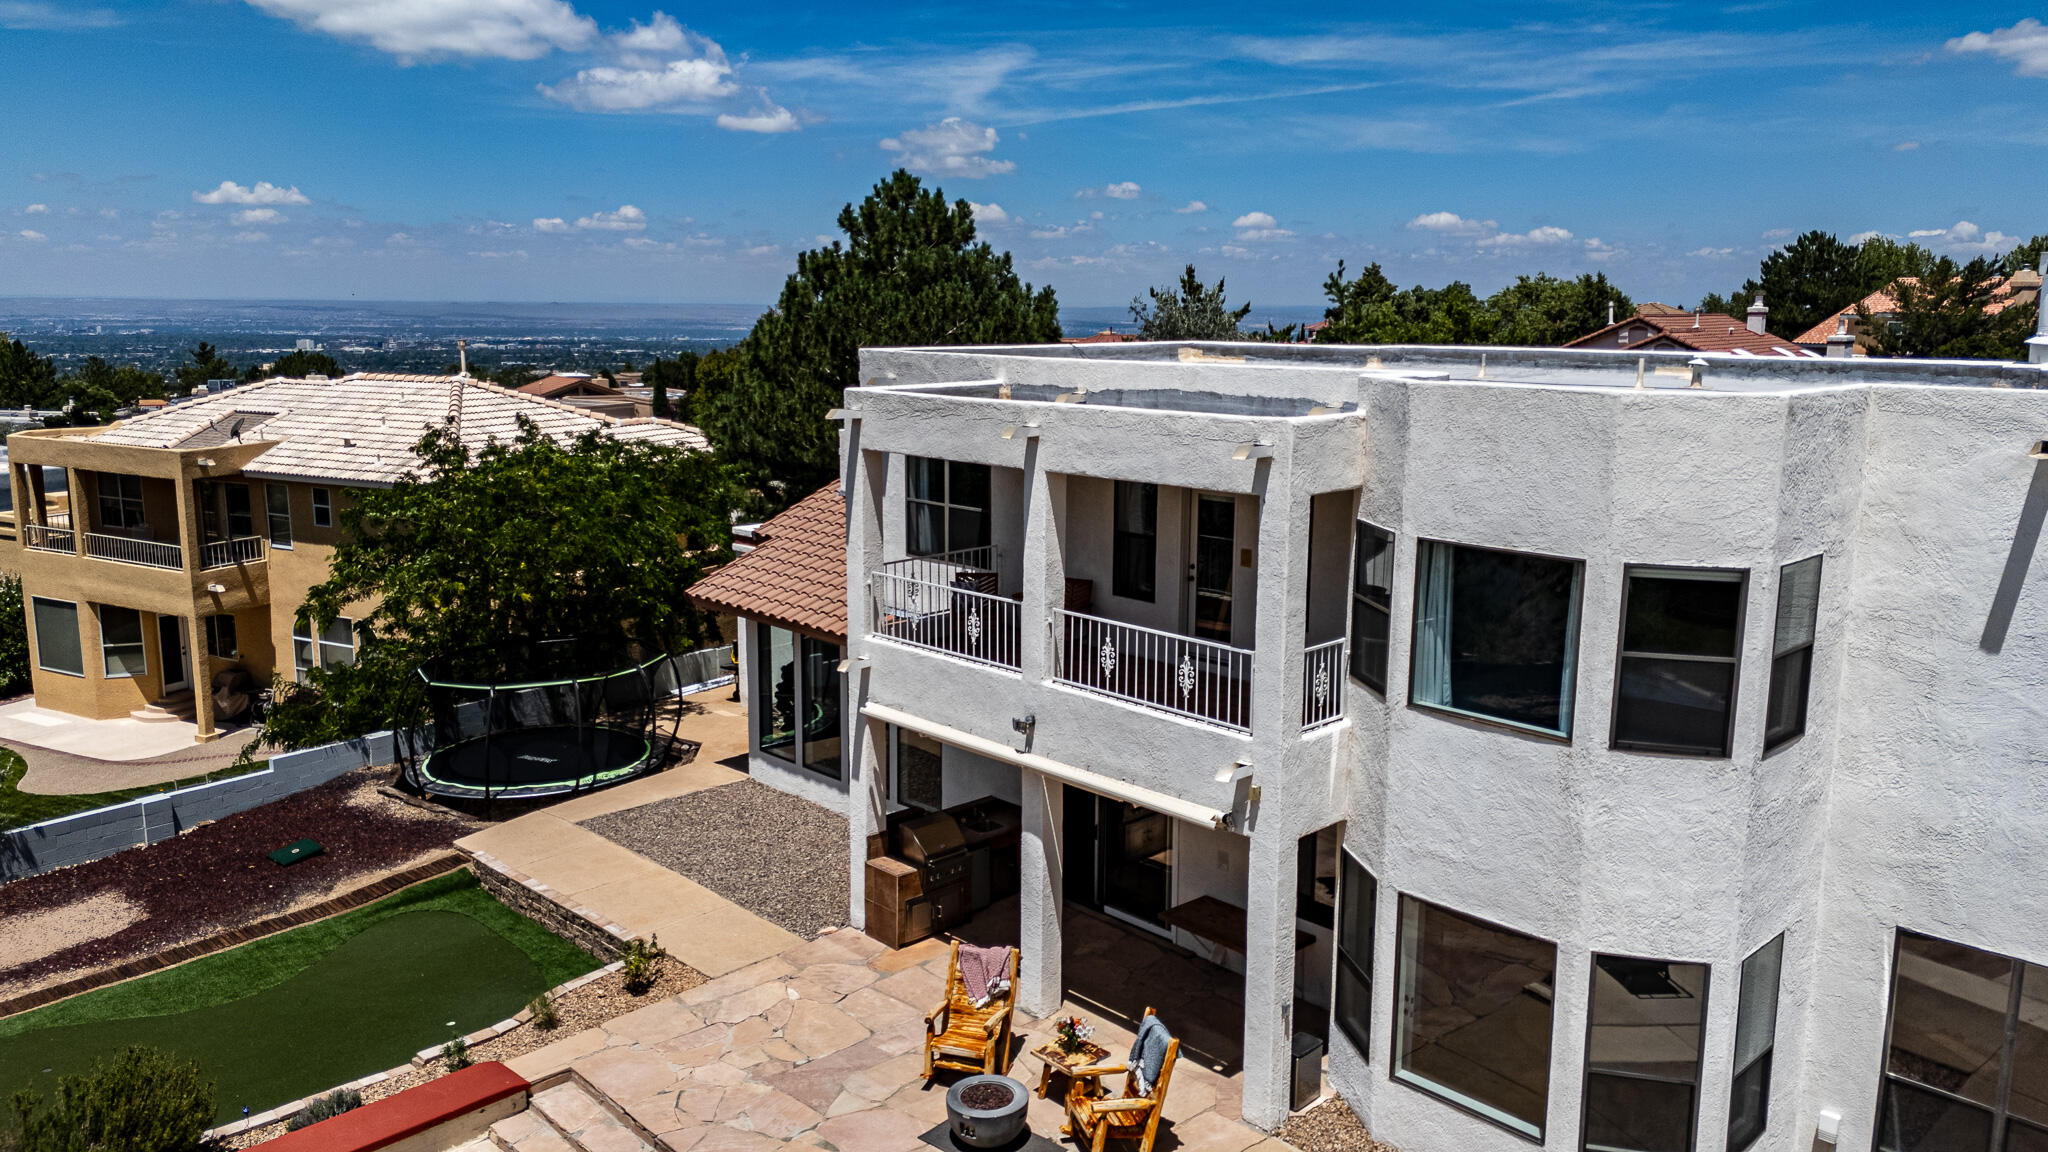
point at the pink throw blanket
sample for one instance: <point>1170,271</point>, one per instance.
<point>985,972</point>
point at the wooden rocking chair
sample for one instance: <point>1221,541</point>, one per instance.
<point>960,1036</point>
<point>1095,1117</point>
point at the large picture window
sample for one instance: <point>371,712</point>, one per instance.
<point>1496,635</point>
<point>1135,548</point>
<point>1473,1014</point>
<point>1681,637</point>
<point>1372,583</point>
<point>120,502</point>
<point>1792,651</point>
<point>775,691</point>
<point>796,697</point>
<point>121,652</point>
<point>332,646</point>
<point>920,776</point>
<point>1358,899</point>
<point>1966,1055</point>
<point>821,727</point>
<point>946,509</point>
<point>1643,1037</point>
<point>57,645</point>
<point>1756,1030</point>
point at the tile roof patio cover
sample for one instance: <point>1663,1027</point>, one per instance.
<point>796,574</point>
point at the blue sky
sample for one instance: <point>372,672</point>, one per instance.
<point>586,150</point>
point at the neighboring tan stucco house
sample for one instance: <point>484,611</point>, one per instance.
<point>192,533</point>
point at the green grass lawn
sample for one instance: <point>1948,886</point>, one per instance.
<point>18,808</point>
<point>302,1011</point>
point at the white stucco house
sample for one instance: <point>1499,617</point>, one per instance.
<point>1599,750</point>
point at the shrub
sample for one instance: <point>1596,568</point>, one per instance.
<point>543,1013</point>
<point>333,1104</point>
<point>638,963</point>
<point>456,1053</point>
<point>14,676</point>
<point>142,1100</point>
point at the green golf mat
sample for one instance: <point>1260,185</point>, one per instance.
<point>367,1004</point>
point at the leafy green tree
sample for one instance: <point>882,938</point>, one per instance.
<point>672,382</point>
<point>1543,311</point>
<point>98,389</point>
<point>1188,311</point>
<point>909,272</point>
<point>1882,260</point>
<point>205,364</point>
<point>141,1100</point>
<point>14,673</point>
<point>1942,315</point>
<point>26,379</point>
<point>485,555</point>
<point>1371,310</point>
<point>1807,281</point>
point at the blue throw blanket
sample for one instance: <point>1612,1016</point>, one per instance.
<point>1148,1054</point>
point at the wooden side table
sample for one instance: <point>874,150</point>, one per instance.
<point>1055,1060</point>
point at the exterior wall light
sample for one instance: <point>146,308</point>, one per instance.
<point>216,589</point>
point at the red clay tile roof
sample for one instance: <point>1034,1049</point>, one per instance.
<point>1697,332</point>
<point>557,385</point>
<point>1106,336</point>
<point>2020,288</point>
<point>796,574</point>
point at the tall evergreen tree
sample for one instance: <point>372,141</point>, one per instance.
<point>1189,310</point>
<point>206,363</point>
<point>1943,314</point>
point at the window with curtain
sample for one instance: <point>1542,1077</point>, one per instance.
<point>1681,639</point>
<point>1358,897</point>
<point>1792,651</point>
<point>946,506</point>
<point>1372,591</point>
<point>1135,548</point>
<point>1496,635</point>
<point>775,690</point>
<point>1756,1029</point>
<point>821,729</point>
<point>277,502</point>
<point>1472,1014</point>
<point>121,651</point>
<point>1643,1034</point>
<point>120,502</point>
<point>57,644</point>
<point>1966,1055</point>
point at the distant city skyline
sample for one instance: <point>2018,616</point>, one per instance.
<point>534,150</point>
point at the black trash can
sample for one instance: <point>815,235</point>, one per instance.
<point>1308,1070</point>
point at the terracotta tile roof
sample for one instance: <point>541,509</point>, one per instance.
<point>796,574</point>
<point>360,429</point>
<point>1106,336</point>
<point>558,384</point>
<point>2019,288</point>
<point>1694,331</point>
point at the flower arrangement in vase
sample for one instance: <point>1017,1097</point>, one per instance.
<point>1071,1033</point>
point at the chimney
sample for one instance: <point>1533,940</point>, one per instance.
<point>2037,347</point>
<point>1841,345</point>
<point>1757,312</point>
<point>1610,313</point>
<point>462,350</point>
<point>1695,319</point>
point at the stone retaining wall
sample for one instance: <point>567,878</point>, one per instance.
<point>536,901</point>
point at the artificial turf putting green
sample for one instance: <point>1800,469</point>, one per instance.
<point>308,1009</point>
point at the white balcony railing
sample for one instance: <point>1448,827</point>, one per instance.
<point>152,553</point>
<point>1199,679</point>
<point>1322,684</point>
<point>946,567</point>
<point>49,537</point>
<point>227,553</point>
<point>957,618</point>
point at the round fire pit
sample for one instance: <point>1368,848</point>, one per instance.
<point>986,1111</point>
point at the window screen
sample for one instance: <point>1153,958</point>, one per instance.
<point>1756,1027</point>
<point>1681,636</point>
<point>1792,651</point>
<point>1136,545</point>
<point>1643,1054</point>
<point>1372,582</point>
<point>1496,635</point>
<point>57,644</point>
<point>121,651</point>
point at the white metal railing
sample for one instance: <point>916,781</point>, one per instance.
<point>226,553</point>
<point>956,618</point>
<point>1322,683</point>
<point>1183,675</point>
<point>945,567</point>
<point>153,553</point>
<point>49,537</point>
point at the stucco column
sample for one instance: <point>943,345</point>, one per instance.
<point>199,668</point>
<point>867,762</point>
<point>74,507</point>
<point>1282,599</point>
<point>1268,979</point>
<point>1045,571</point>
<point>1040,979</point>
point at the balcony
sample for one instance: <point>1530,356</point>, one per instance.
<point>229,553</point>
<point>55,536</point>
<point>125,550</point>
<point>947,604</point>
<point>1183,675</point>
<point>1322,684</point>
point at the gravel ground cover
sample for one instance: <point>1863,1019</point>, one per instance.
<point>1330,1127</point>
<point>779,857</point>
<point>213,877</point>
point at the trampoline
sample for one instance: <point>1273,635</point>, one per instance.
<point>543,738</point>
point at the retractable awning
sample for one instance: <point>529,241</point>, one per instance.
<point>1080,777</point>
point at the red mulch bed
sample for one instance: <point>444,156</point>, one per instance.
<point>218,876</point>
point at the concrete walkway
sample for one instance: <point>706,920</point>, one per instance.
<point>75,756</point>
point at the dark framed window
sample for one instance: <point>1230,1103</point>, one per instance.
<point>277,505</point>
<point>121,502</point>
<point>797,698</point>
<point>1372,599</point>
<point>919,777</point>
<point>1644,1028</point>
<point>821,722</point>
<point>775,690</point>
<point>1358,897</point>
<point>58,648</point>
<point>1496,635</point>
<point>330,647</point>
<point>1681,641</point>
<point>1315,876</point>
<point>220,637</point>
<point>241,516</point>
<point>946,506</point>
<point>1457,978</point>
<point>1135,548</point>
<point>1966,1051</point>
<point>121,651</point>
<point>209,509</point>
<point>323,508</point>
<point>1792,651</point>
<point>1756,1029</point>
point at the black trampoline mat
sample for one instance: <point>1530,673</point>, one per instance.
<point>527,757</point>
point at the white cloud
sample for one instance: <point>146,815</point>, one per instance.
<point>1193,206</point>
<point>1487,233</point>
<point>259,216</point>
<point>1872,234</point>
<point>952,147</point>
<point>769,119</point>
<point>1122,190</point>
<point>989,214</point>
<point>398,239</point>
<point>36,209</point>
<point>2025,44</point>
<point>626,219</point>
<point>1255,220</point>
<point>250,237</point>
<point>1547,234</point>
<point>1598,249</point>
<point>1061,232</point>
<point>681,82</point>
<point>31,234</point>
<point>514,254</point>
<point>413,29</point>
<point>1906,146</point>
<point>1452,224</point>
<point>550,224</point>
<point>1963,236</point>
<point>264,192</point>
<point>1259,226</point>
<point>34,16</point>
<point>760,250</point>
<point>1711,253</point>
<point>645,244</point>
